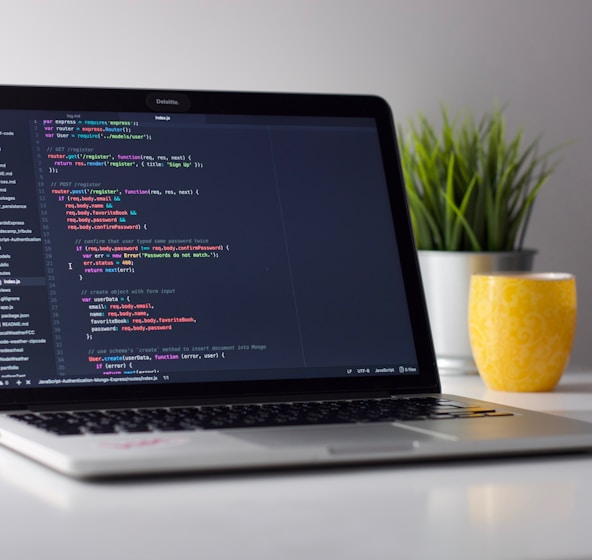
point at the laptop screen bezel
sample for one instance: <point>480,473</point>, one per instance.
<point>249,103</point>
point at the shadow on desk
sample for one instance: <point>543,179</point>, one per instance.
<point>574,387</point>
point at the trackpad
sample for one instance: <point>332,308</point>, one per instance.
<point>343,438</point>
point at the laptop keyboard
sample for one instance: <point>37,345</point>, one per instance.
<point>253,415</point>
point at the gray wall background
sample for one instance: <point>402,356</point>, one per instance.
<point>532,54</point>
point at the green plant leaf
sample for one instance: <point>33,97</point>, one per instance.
<point>469,186</point>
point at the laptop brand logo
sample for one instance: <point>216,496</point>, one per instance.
<point>168,101</point>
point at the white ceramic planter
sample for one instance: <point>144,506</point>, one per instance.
<point>446,279</point>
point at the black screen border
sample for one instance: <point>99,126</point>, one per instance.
<point>248,103</point>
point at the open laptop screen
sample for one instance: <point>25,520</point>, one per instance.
<point>172,246</point>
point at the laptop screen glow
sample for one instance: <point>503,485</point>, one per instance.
<point>172,247</point>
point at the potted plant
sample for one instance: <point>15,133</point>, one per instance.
<point>471,192</point>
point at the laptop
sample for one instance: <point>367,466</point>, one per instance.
<point>212,281</point>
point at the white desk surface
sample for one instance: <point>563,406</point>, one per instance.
<point>539,508</point>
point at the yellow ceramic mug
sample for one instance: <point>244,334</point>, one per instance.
<point>522,327</point>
